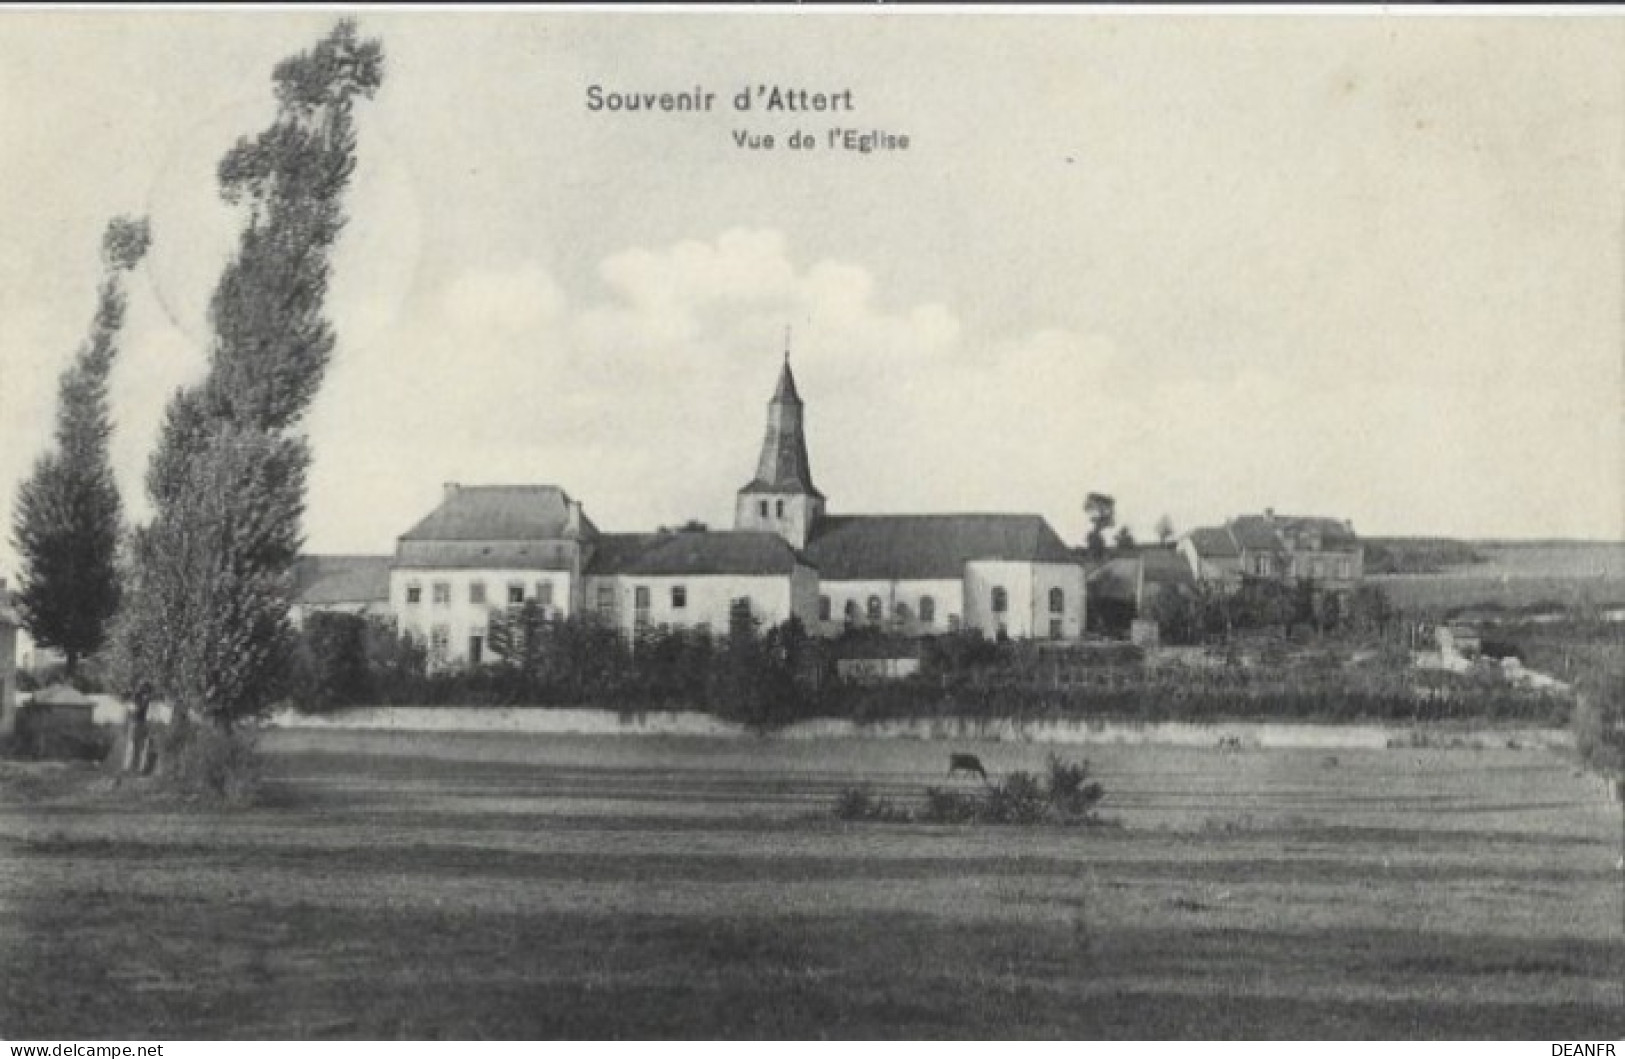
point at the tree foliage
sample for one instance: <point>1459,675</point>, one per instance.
<point>68,512</point>
<point>209,626</point>
<point>1102,513</point>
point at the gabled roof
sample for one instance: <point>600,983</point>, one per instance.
<point>738,553</point>
<point>927,547</point>
<point>1117,579</point>
<point>480,554</point>
<point>1213,542</point>
<point>1333,534</point>
<point>500,513</point>
<point>1164,566</point>
<point>326,579</point>
<point>1255,533</point>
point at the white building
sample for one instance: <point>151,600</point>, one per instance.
<point>487,548</point>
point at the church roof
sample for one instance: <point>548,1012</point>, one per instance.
<point>500,513</point>
<point>325,579</point>
<point>783,466</point>
<point>740,553</point>
<point>927,547</point>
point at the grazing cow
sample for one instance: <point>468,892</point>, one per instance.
<point>966,763</point>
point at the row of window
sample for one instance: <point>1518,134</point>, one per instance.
<point>875,609</point>
<point>778,508</point>
<point>441,591</point>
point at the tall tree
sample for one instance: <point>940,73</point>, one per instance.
<point>1102,512</point>
<point>66,525</point>
<point>1165,529</point>
<point>208,626</point>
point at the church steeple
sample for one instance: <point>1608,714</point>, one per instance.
<point>782,496</point>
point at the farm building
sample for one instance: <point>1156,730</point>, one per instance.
<point>489,547</point>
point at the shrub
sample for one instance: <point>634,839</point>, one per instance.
<point>951,807</point>
<point>203,764</point>
<point>859,803</point>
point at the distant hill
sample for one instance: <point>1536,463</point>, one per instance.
<point>1420,572</point>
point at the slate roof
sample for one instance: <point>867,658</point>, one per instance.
<point>1120,578</point>
<point>738,553</point>
<point>1164,566</point>
<point>325,579</point>
<point>1116,579</point>
<point>783,466</point>
<point>1214,542</point>
<point>1255,533</point>
<point>613,552</point>
<point>500,513</point>
<point>1334,535</point>
<point>927,547</point>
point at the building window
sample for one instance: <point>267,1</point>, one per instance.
<point>1055,628</point>
<point>954,623</point>
<point>544,593</point>
<point>876,610</point>
<point>414,593</point>
<point>778,508</point>
<point>1001,599</point>
<point>1057,601</point>
<point>476,650</point>
<point>439,643</point>
<point>851,611</point>
<point>900,612</point>
<point>442,592</point>
<point>606,599</point>
<point>823,608</point>
<point>476,592</point>
<point>516,594</point>
<point>761,506</point>
<point>928,610</point>
<point>1343,569</point>
<point>679,597</point>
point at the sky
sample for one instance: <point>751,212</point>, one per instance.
<point>1360,266</point>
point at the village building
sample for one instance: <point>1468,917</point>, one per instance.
<point>1322,551</point>
<point>491,547</point>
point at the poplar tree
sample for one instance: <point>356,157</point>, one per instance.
<point>67,519</point>
<point>208,625</point>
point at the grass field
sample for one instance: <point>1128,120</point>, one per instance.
<point>1518,574</point>
<point>509,886</point>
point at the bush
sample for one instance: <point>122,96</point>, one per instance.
<point>858,803</point>
<point>199,763</point>
<point>1064,796</point>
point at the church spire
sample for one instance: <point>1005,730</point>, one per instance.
<point>783,466</point>
<point>782,497</point>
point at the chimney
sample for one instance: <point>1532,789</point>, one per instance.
<point>450,490</point>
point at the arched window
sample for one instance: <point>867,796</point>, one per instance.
<point>928,610</point>
<point>876,611</point>
<point>778,508</point>
<point>900,612</point>
<point>851,611</point>
<point>1001,599</point>
<point>823,608</point>
<point>1057,601</point>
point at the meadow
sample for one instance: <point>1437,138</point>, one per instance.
<point>428,886</point>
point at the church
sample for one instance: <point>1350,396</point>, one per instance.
<point>486,548</point>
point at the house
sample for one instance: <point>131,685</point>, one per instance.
<point>348,584</point>
<point>485,548</point>
<point>1322,551</point>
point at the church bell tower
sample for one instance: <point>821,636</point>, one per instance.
<point>782,497</point>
